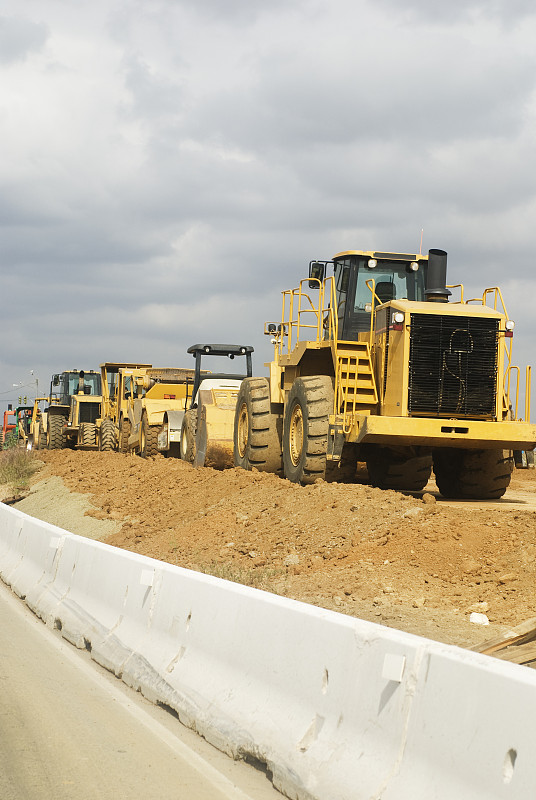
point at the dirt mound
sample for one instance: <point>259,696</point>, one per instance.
<point>413,562</point>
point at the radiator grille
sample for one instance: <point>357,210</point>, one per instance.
<point>89,412</point>
<point>453,365</point>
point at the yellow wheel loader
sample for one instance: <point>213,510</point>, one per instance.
<point>374,364</point>
<point>206,426</point>
<point>70,418</point>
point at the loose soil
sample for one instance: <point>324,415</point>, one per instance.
<point>413,562</point>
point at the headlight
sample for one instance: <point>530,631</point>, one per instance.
<point>397,321</point>
<point>372,263</point>
<point>414,266</point>
<point>509,325</point>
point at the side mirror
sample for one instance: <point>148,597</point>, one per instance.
<point>317,271</point>
<point>55,380</point>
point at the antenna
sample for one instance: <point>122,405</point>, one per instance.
<point>420,246</point>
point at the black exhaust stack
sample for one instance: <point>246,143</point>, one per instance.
<point>436,290</point>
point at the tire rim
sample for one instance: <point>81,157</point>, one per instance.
<point>296,434</point>
<point>184,443</point>
<point>142,439</point>
<point>243,430</point>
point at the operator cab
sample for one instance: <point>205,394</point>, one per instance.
<point>396,277</point>
<point>210,380</point>
<point>67,384</point>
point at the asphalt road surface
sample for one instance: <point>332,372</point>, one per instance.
<point>71,731</point>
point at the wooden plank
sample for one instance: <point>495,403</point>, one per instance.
<point>518,654</point>
<point>525,632</point>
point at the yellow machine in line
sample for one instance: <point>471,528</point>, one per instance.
<point>137,400</point>
<point>72,411</point>
<point>205,428</point>
<point>114,426</point>
<point>374,364</point>
<point>37,439</point>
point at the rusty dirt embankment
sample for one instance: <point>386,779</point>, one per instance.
<point>416,563</point>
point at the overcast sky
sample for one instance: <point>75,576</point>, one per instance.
<point>168,167</point>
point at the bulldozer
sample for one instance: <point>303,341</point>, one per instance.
<point>137,399</point>
<point>72,410</point>
<point>377,364</point>
<point>204,427</point>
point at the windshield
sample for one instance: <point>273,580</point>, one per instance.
<point>393,281</point>
<point>91,380</point>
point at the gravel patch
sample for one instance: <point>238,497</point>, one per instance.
<point>51,501</point>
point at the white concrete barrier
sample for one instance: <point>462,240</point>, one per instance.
<point>337,708</point>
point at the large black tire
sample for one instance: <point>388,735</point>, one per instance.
<point>87,436</point>
<point>148,438</point>
<point>124,433</point>
<point>257,428</point>
<point>188,434</point>
<point>399,470</point>
<point>41,438</point>
<point>472,474</point>
<point>1,440</point>
<point>56,439</point>
<point>305,428</point>
<point>107,438</point>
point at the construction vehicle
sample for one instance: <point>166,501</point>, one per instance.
<point>17,430</point>
<point>375,365</point>
<point>7,426</point>
<point>137,398</point>
<point>114,425</point>
<point>73,410</point>
<point>37,439</point>
<point>205,429</point>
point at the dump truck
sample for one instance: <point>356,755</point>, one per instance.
<point>377,364</point>
<point>72,411</point>
<point>137,399</point>
<point>204,430</point>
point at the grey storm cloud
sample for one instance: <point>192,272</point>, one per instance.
<point>19,38</point>
<point>508,12</point>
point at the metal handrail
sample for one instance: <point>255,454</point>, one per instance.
<point>374,298</point>
<point>298,303</point>
<point>507,376</point>
<point>528,380</point>
<point>456,286</point>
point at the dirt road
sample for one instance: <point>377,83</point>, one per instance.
<point>416,563</point>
